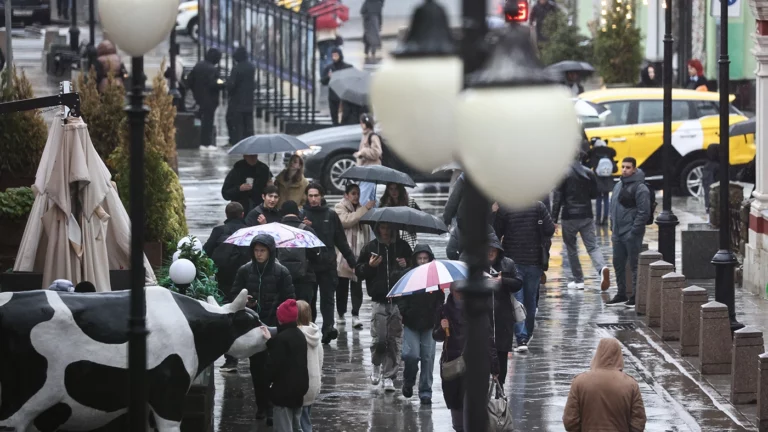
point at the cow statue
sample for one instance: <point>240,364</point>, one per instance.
<point>64,356</point>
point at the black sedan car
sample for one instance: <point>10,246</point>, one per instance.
<point>26,12</point>
<point>331,154</point>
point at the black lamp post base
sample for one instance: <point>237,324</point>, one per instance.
<point>725,266</point>
<point>74,38</point>
<point>667,221</point>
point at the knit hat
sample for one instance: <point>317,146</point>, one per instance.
<point>289,208</point>
<point>287,312</point>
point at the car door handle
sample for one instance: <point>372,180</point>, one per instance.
<point>639,133</point>
<point>621,139</point>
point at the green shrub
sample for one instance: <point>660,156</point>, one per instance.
<point>617,45</point>
<point>16,203</point>
<point>22,134</point>
<point>565,41</point>
<point>103,112</point>
<point>204,284</point>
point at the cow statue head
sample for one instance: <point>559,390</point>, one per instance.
<point>246,328</point>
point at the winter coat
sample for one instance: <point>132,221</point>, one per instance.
<point>312,254</point>
<point>358,235</point>
<point>523,234</point>
<point>241,83</point>
<point>270,214</point>
<point>350,113</point>
<point>325,76</point>
<point>329,230</point>
<point>418,310</point>
<point>697,83</point>
<point>269,284</point>
<point>371,13</point>
<point>453,347</point>
<point>290,190</point>
<point>314,361</point>
<point>575,194</point>
<point>203,80</point>
<point>370,151</point>
<point>538,13</point>
<point>503,316</point>
<point>216,238</point>
<point>630,221</point>
<point>287,367</point>
<point>379,280</point>
<point>108,62</point>
<point>454,209</point>
<point>605,399</point>
<point>645,78</point>
<point>242,170</point>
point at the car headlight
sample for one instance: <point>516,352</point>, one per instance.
<point>311,151</point>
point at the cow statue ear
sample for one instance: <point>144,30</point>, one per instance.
<point>239,302</point>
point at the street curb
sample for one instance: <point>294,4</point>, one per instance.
<point>387,37</point>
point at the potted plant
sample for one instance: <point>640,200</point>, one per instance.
<point>103,112</point>
<point>15,205</point>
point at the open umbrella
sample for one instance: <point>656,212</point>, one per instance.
<point>579,67</point>
<point>378,174</point>
<point>351,85</point>
<point>590,109</point>
<point>269,143</point>
<point>744,128</point>
<point>438,274</point>
<point>285,236</point>
<point>405,219</point>
<point>453,166</point>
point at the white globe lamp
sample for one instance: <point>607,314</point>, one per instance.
<point>137,26</point>
<point>414,92</point>
<point>517,131</point>
<point>182,272</point>
<point>176,255</point>
<point>197,244</point>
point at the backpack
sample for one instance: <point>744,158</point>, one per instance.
<point>627,199</point>
<point>294,259</point>
<point>604,167</point>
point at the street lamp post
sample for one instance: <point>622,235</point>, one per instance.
<point>74,31</point>
<point>91,21</point>
<point>173,89</point>
<point>666,220</point>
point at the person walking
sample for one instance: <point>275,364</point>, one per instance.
<point>350,212</point>
<point>369,153</point>
<point>605,398</point>
<point>240,87</point>
<point>418,311</point>
<point>205,84</point>
<point>299,261</point>
<point>291,182</point>
<point>395,195</point>
<point>268,211</point>
<point>574,199</point>
<point>630,209</point>
<point>526,235</point>
<point>371,11</point>
<point>648,77</point>
<point>696,79</point>
<point>314,362</point>
<point>453,214</point>
<point>381,263</point>
<point>246,181</point>
<point>327,225</point>
<point>334,102</point>
<point>234,222</point>
<point>108,62</point>
<point>269,284</point>
<point>602,163</point>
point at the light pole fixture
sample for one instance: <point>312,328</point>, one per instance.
<point>182,272</point>
<point>137,27</point>
<point>666,220</point>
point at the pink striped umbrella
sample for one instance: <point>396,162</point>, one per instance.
<point>430,277</point>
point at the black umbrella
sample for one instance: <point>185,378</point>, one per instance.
<point>351,85</point>
<point>378,174</point>
<point>271,143</point>
<point>580,67</point>
<point>405,219</point>
<point>744,127</point>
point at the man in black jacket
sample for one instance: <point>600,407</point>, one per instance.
<point>329,230</point>
<point>299,261</point>
<point>205,84</point>
<point>220,233</point>
<point>574,198</point>
<point>269,284</point>
<point>267,211</point>
<point>418,311</point>
<point>334,102</point>
<point>246,181</point>
<point>240,87</point>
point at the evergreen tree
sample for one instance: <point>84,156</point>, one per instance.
<point>617,52</point>
<point>565,42</point>
<point>22,134</point>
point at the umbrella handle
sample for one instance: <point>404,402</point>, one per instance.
<point>448,332</point>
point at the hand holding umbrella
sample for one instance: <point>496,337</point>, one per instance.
<point>446,326</point>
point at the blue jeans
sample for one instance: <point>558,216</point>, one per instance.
<point>306,418</point>
<point>531,275</point>
<point>368,193</point>
<point>418,346</point>
<point>602,206</point>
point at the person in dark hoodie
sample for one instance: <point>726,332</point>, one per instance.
<point>267,211</point>
<point>205,84</point>
<point>648,77</point>
<point>330,231</point>
<point>334,103</point>
<point>240,87</point>
<point>297,260</point>
<point>269,284</point>
<point>601,160</point>
<point>417,311</point>
<point>246,181</point>
<point>381,264</point>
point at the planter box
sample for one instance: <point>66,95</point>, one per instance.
<point>11,181</point>
<point>13,231</point>
<point>20,281</point>
<point>187,134</point>
<point>700,243</point>
<point>120,280</point>
<point>198,404</point>
<point>154,252</point>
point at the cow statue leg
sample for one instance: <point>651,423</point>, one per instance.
<point>164,425</point>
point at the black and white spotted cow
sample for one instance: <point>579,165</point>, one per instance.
<point>64,356</point>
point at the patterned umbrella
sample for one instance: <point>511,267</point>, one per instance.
<point>285,236</point>
<point>430,277</point>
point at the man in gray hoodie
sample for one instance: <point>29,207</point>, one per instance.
<point>630,209</point>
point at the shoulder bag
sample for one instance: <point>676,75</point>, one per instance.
<point>450,370</point>
<point>546,243</point>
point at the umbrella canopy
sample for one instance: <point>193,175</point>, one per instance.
<point>590,109</point>
<point>430,277</point>
<point>405,219</point>
<point>580,67</point>
<point>378,174</point>
<point>453,166</point>
<point>285,236</point>
<point>745,127</point>
<point>351,85</point>
<point>269,143</point>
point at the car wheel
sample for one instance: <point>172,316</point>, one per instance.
<point>193,28</point>
<point>334,168</point>
<point>691,178</point>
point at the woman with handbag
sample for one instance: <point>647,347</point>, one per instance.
<point>450,328</point>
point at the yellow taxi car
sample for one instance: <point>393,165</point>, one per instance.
<point>634,128</point>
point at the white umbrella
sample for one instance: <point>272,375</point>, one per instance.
<point>590,109</point>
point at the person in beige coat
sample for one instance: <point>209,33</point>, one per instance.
<point>368,154</point>
<point>350,211</point>
<point>605,399</point>
<point>291,182</point>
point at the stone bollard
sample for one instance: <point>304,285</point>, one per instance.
<point>762,392</point>
<point>747,346</point>
<point>653,296</point>
<point>672,285</point>
<point>643,276</point>
<point>693,299</point>
<point>715,344</point>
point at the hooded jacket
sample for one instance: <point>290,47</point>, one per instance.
<point>605,399</point>
<point>523,234</point>
<point>270,214</point>
<point>418,309</point>
<point>203,80</point>
<point>358,235</point>
<point>329,230</point>
<point>575,194</point>
<point>314,361</point>
<point>630,221</point>
<point>328,71</point>
<point>269,284</point>
<point>242,170</point>
<point>379,280</point>
<point>645,78</point>
<point>287,366</point>
<point>503,317</point>
<point>241,83</point>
